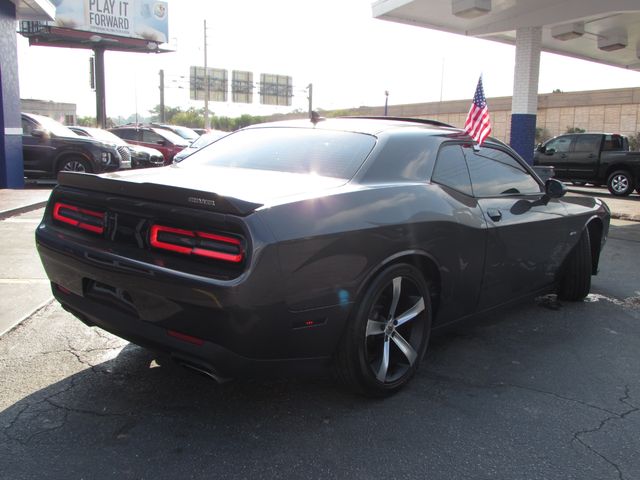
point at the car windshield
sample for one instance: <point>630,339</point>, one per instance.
<point>54,127</point>
<point>207,138</point>
<point>185,133</point>
<point>172,137</point>
<point>294,150</point>
<point>104,136</point>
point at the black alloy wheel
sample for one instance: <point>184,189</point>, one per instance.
<point>74,164</point>
<point>389,333</point>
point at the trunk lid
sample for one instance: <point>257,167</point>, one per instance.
<point>224,190</point>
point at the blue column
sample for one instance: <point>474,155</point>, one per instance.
<point>524,107</point>
<point>11,166</point>
<point>523,135</point>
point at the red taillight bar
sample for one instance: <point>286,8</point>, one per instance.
<point>59,214</point>
<point>197,248</point>
<point>186,338</point>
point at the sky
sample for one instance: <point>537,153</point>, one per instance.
<point>350,58</point>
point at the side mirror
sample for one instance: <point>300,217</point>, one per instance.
<point>539,148</point>
<point>162,142</point>
<point>554,188</point>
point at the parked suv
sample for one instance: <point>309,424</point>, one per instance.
<point>163,140</point>
<point>141,157</point>
<point>49,147</point>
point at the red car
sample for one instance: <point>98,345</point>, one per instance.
<point>167,142</point>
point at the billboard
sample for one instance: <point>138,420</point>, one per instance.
<point>275,89</point>
<point>211,83</point>
<point>144,19</point>
<point>242,86</point>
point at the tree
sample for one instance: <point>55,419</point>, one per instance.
<point>542,134</point>
<point>192,118</point>
<point>86,121</point>
<point>169,113</point>
<point>575,130</point>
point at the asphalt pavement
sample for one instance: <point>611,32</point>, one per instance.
<point>546,389</point>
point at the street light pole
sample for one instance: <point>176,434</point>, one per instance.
<point>207,121</point>
<point>162,116</point>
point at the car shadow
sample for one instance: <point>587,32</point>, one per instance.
<point>139,415</point>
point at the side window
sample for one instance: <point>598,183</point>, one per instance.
<point>451,169</point>
<point>587,143</point>
<point>404,157</point>
<point>560,144</point>
<point>27,127</point>
<point>151,137</point>
<point>613,143</point>
<point>494,172</point>
<point>127,133</point>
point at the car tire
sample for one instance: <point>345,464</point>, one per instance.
<point>74,164</point>
<point>620,183</point>
<point>575,282</point>
<point>387,334</point>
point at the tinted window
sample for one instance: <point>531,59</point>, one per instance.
<point>127,133</point>
<point>494,172</point>
<point>451,169</point>
<point>587,143</point>
<point>560,144</point>
<point>27,126</point>
<point>613,143</point>
<point>402,158</point>
<point>294,150</point>
<point>151,137</point>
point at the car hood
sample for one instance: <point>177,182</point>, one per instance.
<point>227,190</point>
<point>147,150</point>
<point>85,141</point>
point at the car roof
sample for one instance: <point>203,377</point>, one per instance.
<point>368,125</point>
<point>376,125</point>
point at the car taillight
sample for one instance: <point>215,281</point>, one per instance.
<point>82,218</point>
<point>193,242</point>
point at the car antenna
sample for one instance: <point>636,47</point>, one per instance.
<point>315,118</point>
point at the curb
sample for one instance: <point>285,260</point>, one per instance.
<point>625,216</point>
<point>24,209</point>
<point>24,318</point>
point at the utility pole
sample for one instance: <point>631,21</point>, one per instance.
<point>310,97</point>
<point>101,110</point>
<point>162,117</point>
<point>386,101</point>
<point>207,121</point>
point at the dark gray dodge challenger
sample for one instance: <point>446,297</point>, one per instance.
<point>343,242</point>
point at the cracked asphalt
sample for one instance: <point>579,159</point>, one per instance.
<point>544,390</point>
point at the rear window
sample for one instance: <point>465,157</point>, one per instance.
<point>293,150</point>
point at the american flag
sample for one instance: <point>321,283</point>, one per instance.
<point>478,123</point>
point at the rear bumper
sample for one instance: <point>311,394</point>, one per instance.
<point>208,357</point>
<point>236,332</point>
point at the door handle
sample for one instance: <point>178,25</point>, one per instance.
<point>494,214</point>
<point>564,155</point>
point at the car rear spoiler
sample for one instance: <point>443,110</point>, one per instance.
<point>198,199</point>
